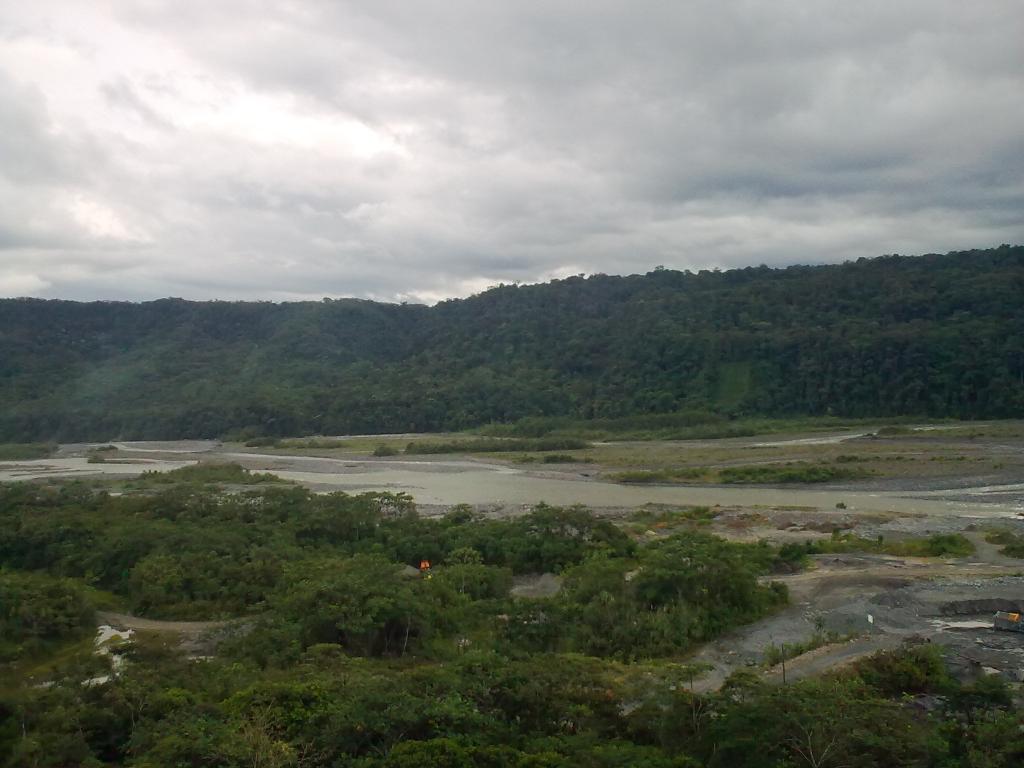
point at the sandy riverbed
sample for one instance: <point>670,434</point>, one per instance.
<point>446,481</point>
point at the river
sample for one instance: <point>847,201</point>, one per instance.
<point>446,482</point>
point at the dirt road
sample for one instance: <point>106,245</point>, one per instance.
<point>126,621</point>
<point>196,639</point>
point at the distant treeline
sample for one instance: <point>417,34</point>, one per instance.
<point>935,336</point>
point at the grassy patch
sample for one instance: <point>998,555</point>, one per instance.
<point>100,454</point>
<point>263,442</point>
<point>656,518</point>
<point>552,458</point>
<point>793,472</point>
<point>682,425</point>
<point>484,445</point>
<point>320,443</point>
<point>939,545</point>
<point>974,431</point>
<point>209,473</point>
<point>20,451</point>
<point>776,654</point>
<point>299,443</point>
<point>680,474</point>
<point>894,430</point>
<point>1012,544</point>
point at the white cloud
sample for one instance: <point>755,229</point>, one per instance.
<point>15,284</point>
<point>100,221</point>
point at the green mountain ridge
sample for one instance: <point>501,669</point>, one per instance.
<point>935,336</point>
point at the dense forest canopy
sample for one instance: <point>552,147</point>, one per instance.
<point>938,335</point>
<point>345,656</point>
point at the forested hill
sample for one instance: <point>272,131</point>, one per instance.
<point>939,335</point>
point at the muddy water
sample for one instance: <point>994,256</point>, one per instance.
<point>446,482</point>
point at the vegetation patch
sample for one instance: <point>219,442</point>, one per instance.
<point>315,443</point>
<point>27,451</point>
<point>776,654</point>
<point>553,458</point>
<point>1012,545</point>
<point>623,427</point>
<point>101,454</point>
<point>208,473</point>
<point>671,475</point>
<point>658,519</point>
<point>38,611</point>
<point>681,425</point>
<point>794,472</point>
<point>484,445</point>
<point>894,430</point>
<point>938,545</point>
<point>263,442</point>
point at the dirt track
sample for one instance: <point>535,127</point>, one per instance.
<point>126,621</point>
<point>197,639</point>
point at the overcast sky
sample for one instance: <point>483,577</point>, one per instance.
<point>420,150</point>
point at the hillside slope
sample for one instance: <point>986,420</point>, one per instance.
<point>938,335</point>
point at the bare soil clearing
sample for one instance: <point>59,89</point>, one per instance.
<point>195,638</point>
<point>537,585</point>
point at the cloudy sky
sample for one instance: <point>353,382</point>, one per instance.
<point>420,150</point>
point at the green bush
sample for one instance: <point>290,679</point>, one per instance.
<point>917,669</point>
<point>677,474</point>
<point>36,609</point>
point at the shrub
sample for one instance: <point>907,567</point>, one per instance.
<point>36,609</point>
